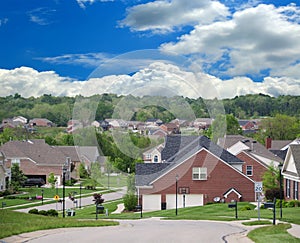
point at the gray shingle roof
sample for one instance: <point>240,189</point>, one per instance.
<point>295,149</point>
<point>183,148</point>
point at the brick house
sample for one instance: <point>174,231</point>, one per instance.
<point>257,157</point>
<point>291,173</point>
<point>202,171</point>
<point>41,122</point>
<point>38,159</point>
<point>170,128</point>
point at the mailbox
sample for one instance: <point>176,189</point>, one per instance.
<point>268,205</point>
<point>231,205</point>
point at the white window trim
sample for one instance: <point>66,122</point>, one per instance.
<point>199,174</point>
<point>251,170</point>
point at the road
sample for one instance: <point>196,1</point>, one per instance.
<point>84,201</point>
<point>146,230</point>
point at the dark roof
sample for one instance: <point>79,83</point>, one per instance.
<point>295,149</point>
<point>243,122</point>
<point>280,153</point>
<point>177,150</point>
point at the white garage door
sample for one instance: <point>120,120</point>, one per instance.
<point>152,202</point>
<point>190,200</point>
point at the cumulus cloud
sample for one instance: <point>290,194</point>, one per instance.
<point>163,16</point>
<point>156,79</point>
<point>253,40</point>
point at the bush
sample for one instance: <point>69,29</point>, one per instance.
<point>293,203</point>
<point>271,193</point>
<point>5,193</point>
<point>130,202</point>
<point>245,208</point>
<point>52,212</point>
<point>33,211</point>
<point>43,212</point>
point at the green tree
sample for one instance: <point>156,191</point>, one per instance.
<point>52,179</point>
<point>17,177</point>
<point>82,171</point>
<point>131,183</point>
<point>271,178</point>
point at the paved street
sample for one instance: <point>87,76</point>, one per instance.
<point>145,230</point>
<point>84,201</point>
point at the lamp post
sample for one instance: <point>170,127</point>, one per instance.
<point>280,188</point>
<point>176,178</point>
<point>80,195</point>
<point>42,196</point>
<point>64,169</point>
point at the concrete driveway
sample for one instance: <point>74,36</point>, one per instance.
<point>145,230</point>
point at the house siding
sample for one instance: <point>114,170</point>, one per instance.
<point>220,178</point>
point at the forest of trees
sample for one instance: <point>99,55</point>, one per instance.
<point>60,109</point>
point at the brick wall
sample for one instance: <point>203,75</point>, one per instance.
<point>221,177</point>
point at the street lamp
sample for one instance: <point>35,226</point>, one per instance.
<point>176,178</point>
<point>80,195</point>
<point>280,188</point>
<point>42,196</point>
<point>64,169</point>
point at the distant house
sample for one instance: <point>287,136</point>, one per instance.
<point>247,125</point>
<point>117,123</point>
<point>180,122</point>
<point>73,125</point>
<point>170,128</point>
<point>291,173</point>
<point>153,122</point>
<point>20,119</point>
<point>256,157</point>
<point>38,159</point>
<point>41,122</point>
<point>201,171</point>
<point>202,123</point>
<point>153,155</point>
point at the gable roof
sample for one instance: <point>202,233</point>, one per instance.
<point>256,149</point>
<point>184,148</point>
<point>294,151</point>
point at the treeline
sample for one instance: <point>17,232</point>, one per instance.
<point>60,109</point>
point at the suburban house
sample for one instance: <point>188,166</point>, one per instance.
<point>291,173</point>
<point>154,122</point>
<point>117,123</point>
<point>41,122</point>
<point>202,123</point>
<point>170,128</point>
<point>196,171</point>
<point>153,155</point>
<point>37,159</point>
<point>248,125</point>
<point>73,125</point>
<point>4,173</point>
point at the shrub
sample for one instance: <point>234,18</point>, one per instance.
<point>52,212</point>
<point>293,203</point>
<point>271,193</point>
<point>33,211</point>
<point>130,202</point>
<point>5,193</point>
<point>43,212</point>
<point>245,208</point>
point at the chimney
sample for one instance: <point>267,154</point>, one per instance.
<point>268,142</point>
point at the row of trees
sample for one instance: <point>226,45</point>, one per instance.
<point>60,109</point>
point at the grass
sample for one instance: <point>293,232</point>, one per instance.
<point>14,223</point>
<point>49,193</point>
<point>257,222</point>
<point>275,234</point>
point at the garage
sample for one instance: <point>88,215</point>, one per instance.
<point>152,202</point>
<point>189,200</point>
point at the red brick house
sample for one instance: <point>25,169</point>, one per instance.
<point>41,122</point>
<point>257,157</point>
<point>202,171</point>
<point>170,128</point>
<point>291,173</point>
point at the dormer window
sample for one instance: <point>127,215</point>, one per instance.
<point>200,173</point>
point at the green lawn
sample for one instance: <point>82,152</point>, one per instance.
<point>13,223</point>
<point>49,193</point>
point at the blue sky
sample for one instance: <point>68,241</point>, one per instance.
<point>95,46</point>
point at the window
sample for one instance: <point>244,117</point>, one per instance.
<point>148,156</point>
<point>296,190</point>
<point>288,188</point>
<point>155,159</point>
<point>15,161</point>
<point>199,173</point>
<point>249,170</point>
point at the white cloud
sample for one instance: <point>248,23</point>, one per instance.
<point>82,3</point>
<point>163,16</point>
<point>87,59</point>
<point>255,39</point>
<point>41,16</point>
<point>156,79</point>
<point>3,21</point>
